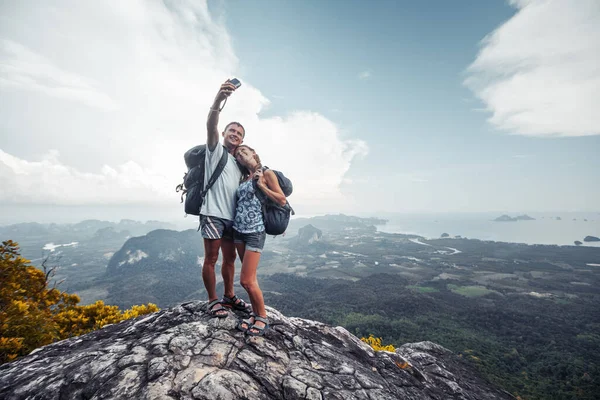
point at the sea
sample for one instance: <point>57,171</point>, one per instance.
<point>558,228</point>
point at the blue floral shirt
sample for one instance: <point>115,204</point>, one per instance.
<point>248,211</point>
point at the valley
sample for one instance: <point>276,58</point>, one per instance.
<point>524,315</point>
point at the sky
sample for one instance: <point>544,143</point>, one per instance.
<point>387,106</point>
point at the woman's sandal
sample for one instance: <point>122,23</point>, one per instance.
<point>219,312</point>
<point>247,322</point>
<point>232,302</point>
<point>260,330</point>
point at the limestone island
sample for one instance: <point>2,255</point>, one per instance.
<point>507,218</point>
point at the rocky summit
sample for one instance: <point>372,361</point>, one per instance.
<point>183,353</point>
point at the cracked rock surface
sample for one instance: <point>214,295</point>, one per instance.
<point>183,353</point>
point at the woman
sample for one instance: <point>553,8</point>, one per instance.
<point>249,231</point>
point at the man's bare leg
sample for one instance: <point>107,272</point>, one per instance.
<point>211,255</point>
<point>228,266</point>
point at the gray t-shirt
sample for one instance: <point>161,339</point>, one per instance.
<point>220,199</point>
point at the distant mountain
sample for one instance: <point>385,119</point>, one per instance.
<point>525,217</point>
<point>307,235</point>
<point>110,233</point>
<point>351,219</point>
<point>180,249</point>
<point>162,267</point>
<point>331,222</point>
<point>507,218</point>
<point>89,225</point>
<point>80,231</point>
<point>591,239</point>
<point>26,229</point>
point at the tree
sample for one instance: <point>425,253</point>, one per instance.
<point>33,314</point>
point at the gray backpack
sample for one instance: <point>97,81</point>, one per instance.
<point>276,217</point>
<point>193,187</point>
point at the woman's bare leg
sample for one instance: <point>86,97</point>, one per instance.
<point>249,281</point>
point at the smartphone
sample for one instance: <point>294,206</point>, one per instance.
<point>236,82</point>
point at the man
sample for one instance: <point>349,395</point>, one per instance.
<point>218,208</point>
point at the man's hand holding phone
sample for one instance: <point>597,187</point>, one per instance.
<point>225,91</point>
<point>235,82</point>
<point>212,122</point>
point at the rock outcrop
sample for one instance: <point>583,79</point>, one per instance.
<point>507,218</point>
<point>182,353</point>
<point>307,235</point>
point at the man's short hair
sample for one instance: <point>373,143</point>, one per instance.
<point>238,124</point>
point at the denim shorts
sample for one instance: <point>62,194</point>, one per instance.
<point>254,241</point>
<point>216,228</point>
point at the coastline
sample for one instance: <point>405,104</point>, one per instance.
<point>489,237</point>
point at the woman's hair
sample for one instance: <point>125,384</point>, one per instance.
<point>245,171</point>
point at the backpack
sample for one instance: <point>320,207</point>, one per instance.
<point>193,187</point>
<point>276,217</point>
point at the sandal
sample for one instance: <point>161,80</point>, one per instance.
<point>235,303</point>
<point>248,323</point>
<point>219,312</point>
<point>260,331</point>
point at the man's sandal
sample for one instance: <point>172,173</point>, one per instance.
<point>260,331</point>
<point>235,303</point>
<point>217,312</point>
<point>247,322</point>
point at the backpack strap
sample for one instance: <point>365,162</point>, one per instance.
<point>260,195</point>
<point>215,175</point>
<point>264,200</point>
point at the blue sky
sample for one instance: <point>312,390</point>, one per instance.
<point>411,105</point>
<point>382,106</point>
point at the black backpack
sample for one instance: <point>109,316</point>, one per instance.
<point>276,217</point>
<point>192,186</point>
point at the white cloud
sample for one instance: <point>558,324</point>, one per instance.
<point>121,90</point>
<point>364,75</point>
<point>538,74</point>
<point>52,182</point>
<point>23,69</point>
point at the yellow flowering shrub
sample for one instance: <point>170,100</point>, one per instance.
<point>375,343</point>
<point>32,314</point>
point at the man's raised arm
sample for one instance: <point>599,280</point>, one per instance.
<point>212,130</point>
